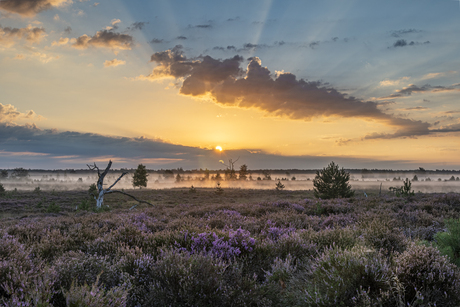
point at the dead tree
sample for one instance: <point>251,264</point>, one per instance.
<point>100,186</point>
<point>230,172</point>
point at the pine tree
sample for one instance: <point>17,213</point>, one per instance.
<point>332,182</point>
<point>140,177</point>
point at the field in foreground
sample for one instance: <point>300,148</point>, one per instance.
<point>240,248</point>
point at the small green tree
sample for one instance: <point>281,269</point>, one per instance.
<point>332,182</point>
<point>243,173</point>
<point>2,190</point>
<point>140,177</point>
<point>279,186</point>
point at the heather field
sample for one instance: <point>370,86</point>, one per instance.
<point>238,248</point>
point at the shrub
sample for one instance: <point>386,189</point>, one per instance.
<point>381,234</point>
<point>449,242</point>
<point>428,277</point>
<point>332,182</point>
<point>2,190</point>
<point>92,191</point>
<point>279,186</point>
<point>337,275</point>
<point>53,208</point>
<point>95,295</point>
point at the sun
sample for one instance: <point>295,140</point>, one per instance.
<point>218,148</point>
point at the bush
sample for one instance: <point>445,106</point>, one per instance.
<point>449,242</point>
<point>428,277</point>
<point>332,182</point>
<point>2,190</point>
<point>53,208</point>
<point>338,275</point>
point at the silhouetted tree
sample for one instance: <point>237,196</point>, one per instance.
<point>206,174</point>
<point>4,174</point>
<point>178,178</point>
<point>20,172</point>
<point>140,177</point>
<point>332,182</point>
<point>243,173</point>
<point>279,186</point>
<point>2,190</point>
<point>267,175</point>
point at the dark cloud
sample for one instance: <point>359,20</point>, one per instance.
<point>312,45</point>
<point>30,7</point>
<point>68,30</point>
<point>138,25</point>
<point>105,39</point>
<point>415,109</point>
<point>181,37</point>
<point>31,34</point>
<point>218,48</point>
<point>234,19</point>
<point>156,41</point>
<point>403,43</point>
<point>280,95</point>
<point>231,48</point>
<point>407,91</point>
<point>202,26</point>
<point>398,33</point>
<point>31,147</point>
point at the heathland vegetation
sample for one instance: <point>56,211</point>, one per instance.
<point>238,247</point>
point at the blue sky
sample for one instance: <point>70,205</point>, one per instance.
<point>284,84</point>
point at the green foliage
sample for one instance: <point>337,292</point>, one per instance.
<point>2,190</point>
<point>279,186</point>
<point>403,190</point>
<point>332,182</point>
<point>449,242</point>
<point>243,173</point>
<point>4,173</point>
<point>219,189</point>
<point>92,191</point>
<point>192,189</point>
<point>20,172</point>
<point>84,205</point>
<point>53,208</point>
<point>37,190</point>
<point>140,177</point>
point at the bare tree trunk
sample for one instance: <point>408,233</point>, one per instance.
<point>100,186</point>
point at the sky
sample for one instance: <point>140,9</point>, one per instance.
<point>277,84</point>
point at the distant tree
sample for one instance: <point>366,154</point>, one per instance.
<point>2,190</point>
<point>4,174</point>
<point>267,175</point>
<point>415,178</point>
<point>206,174</point>
<point>20,172</point>
<point>168,174</point>
<point>452,178</point>
<point>332,182</point>
<point>293,178</point>
<point>218,177</point>
<point>140,177</point>
<point>230,173</point>
<point>279,186</point>
<point>243,173</point>
<point>178,178</point>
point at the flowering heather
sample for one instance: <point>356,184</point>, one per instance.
<point>242,248</point>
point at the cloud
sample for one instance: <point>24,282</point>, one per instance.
<point>29,146</point>
<point>398,33</point>
<point>156,41</point>
<point>412,88</point>
<point>138,25</point>
<point>31,7</point>
<point>280,94</point>
<point>438,75</point>
<point>114,63</point>
<point>203,26</point>
<point>60,42</point>
<point>9,114</point>
<point>415,109</point>
<point>393,82</point>
<point>403,43</point>
<point>68,30</point>
<point>105,39</point>
<point>9,36</point>
<point>181,37</point>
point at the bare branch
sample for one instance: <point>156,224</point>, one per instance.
<point>101,177</point>
<point>108,189</point>
<point>140,201</point>
<point>94,167</point>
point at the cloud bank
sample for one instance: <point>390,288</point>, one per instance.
<point>280,94</point>
<point>9,36</point>
<point>105,39</point>
<point>30,7</point>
